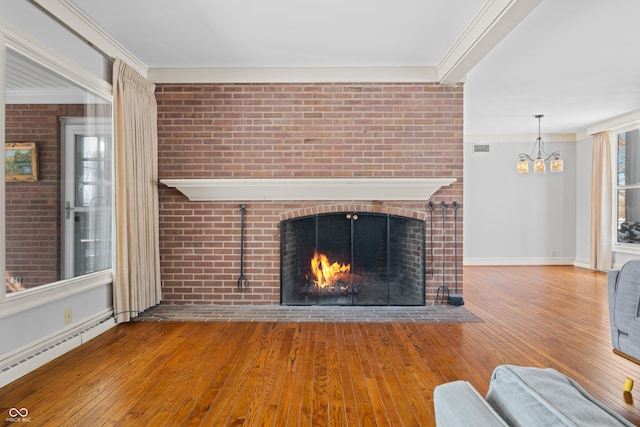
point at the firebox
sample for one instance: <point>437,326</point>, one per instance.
<point>352,258</point>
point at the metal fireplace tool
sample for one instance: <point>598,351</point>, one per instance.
<point>455,298</point>
<point>243,283</point>
<point>431,207</point>
<point>443,287</point>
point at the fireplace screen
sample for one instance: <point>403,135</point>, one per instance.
<point>352,259</point>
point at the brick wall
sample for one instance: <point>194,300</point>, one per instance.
<point>33,208</point>
<point>294,131</point>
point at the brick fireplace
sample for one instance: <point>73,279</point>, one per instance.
<point>352,258</point>
<point>296,132</point>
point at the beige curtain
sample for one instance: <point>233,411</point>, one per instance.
<point>601,198</point>
<point>137,271</point>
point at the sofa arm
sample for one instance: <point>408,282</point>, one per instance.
<point>525,396</point>
<point>612,288</point>
<point>459,404</point>
<point>624,287</point>
<point>631,346</point>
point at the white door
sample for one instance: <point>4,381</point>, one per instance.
<point>86,196</point>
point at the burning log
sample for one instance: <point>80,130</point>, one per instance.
<point>325,271</point>
<point>331,277</point>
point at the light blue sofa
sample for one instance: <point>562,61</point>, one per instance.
<point>624,299</point>
<point>522,396</point>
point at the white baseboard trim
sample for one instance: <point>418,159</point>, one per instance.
<point>29,358</point>
<point>518,261</point>
<point>583,264</point>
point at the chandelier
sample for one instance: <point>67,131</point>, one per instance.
<point>539,163</point>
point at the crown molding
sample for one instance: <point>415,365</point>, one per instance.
<point>294,75</point>
<point>491,24</point>
<point>523,138</point>
<point>16,39</point>
<point>615,123</point>
<point>51,96</point>
<point>77,22</point>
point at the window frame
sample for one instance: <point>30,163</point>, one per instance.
<point>16,302</point>
<point>629,248</point>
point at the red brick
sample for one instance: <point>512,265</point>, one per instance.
<point>401,130</point>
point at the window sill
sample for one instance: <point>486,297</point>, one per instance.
<point>31,298</point>
<point>626,249</point>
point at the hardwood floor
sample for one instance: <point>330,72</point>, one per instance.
<point>277,374</point>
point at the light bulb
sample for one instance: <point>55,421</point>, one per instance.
<point>556,165</point>
<point>523,167</point>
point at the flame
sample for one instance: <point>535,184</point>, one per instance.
<point>325,271</point>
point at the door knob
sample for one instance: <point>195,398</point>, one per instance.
<point>67,209</point>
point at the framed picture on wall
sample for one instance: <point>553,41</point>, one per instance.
<point>20,161</point>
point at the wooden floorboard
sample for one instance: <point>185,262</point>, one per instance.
<point>351,374</point>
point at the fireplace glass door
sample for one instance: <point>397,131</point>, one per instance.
<point>352,258</point>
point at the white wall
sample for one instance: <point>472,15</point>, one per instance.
<point>34,327</point>
<point>518,219</point>
<point>26,326</point>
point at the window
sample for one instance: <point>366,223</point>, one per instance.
<point>628,187</point>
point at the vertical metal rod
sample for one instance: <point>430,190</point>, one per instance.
<point>423,273</point>
<point>444,207</point>
<point>443,287</point>
<point>455,206</point>
<point>431,207</point>
<point>388,260</point>
<point>316,221</point>
<point>353,218</point>
<point>243,283</point>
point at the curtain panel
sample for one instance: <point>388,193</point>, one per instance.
<point>601,199</point>
<point>136,284</point>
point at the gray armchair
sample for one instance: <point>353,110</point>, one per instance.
<point>624,302</point>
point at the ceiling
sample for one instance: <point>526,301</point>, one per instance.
<point>28,82</point>
<point>575,61</point>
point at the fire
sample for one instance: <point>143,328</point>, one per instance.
<point>326,272</point>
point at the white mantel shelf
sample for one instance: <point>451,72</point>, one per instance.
<point>278,189</point>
